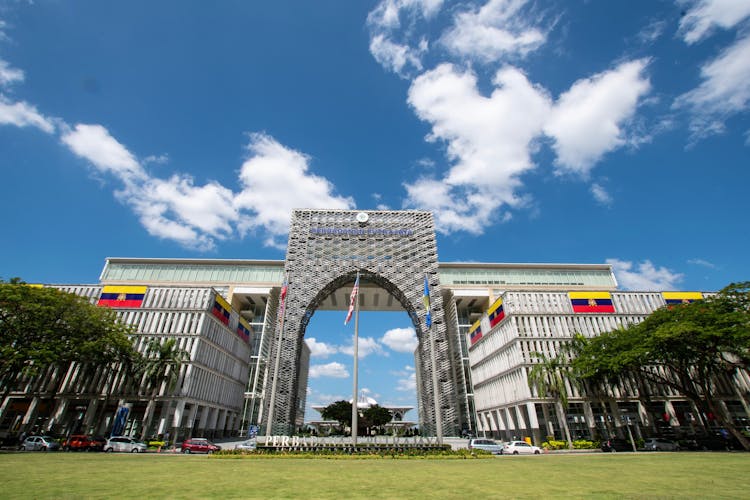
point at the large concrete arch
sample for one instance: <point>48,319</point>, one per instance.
<point>393,250</point>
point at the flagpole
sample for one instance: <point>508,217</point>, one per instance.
<point>355,406</point>
<point>435,397</point>
<point>272,402</point>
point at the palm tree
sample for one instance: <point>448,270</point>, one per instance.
<point>161,368</point>
<point>547,378</point>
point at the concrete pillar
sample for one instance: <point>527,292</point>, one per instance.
<point>57,414</point>
<point>88,418</point>
<point>522,425</point>
<point>177,421</point>
<point>588,414</point>
<point>30,416</point>
<point>669,410</point>
<point>191,419</point>
<point>536,432</point>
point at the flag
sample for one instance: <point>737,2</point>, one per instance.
<point>426,300</point>
<point>591,302</point>
<point>282,299</point>
<point>496,313</point>
<point>243,329</point>
<point>122,296</point>
<point>475,332</point>
<point>221,309</point>
<point>676,298</point>
<point>352,300</point>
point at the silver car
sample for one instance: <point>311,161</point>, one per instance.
<point>660,444</point>
<point>125,444</point>
<point>486,445</point>
<point>249,445</point>
<point>39,443</point>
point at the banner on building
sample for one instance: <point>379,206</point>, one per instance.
<point>496,313</point>
<point>243,329</point>
<point>475,332</point>
<point>221,309</point>
<point>122,296</point>
<point>675,298</point>
<point>591,302</point>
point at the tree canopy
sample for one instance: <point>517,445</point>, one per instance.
<point>341,411</point>
<point>690,348</point>
<point>41,327</point>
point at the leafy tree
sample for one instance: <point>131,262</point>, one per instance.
<point>690,348</point>
<point>161,368</point>
<point>376,416</point>
<point>547,378</point>
<point>341,411</point>
<point>44,327</point>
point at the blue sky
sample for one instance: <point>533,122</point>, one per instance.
<point>544,131</point>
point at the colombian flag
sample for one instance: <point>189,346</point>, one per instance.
<point>677,298</point>
<point>475,333</point>
<point>221,309</point>
<point>122,296</point>
<point>243,330</point>
<point>496,313</point>
<point>591,302</point>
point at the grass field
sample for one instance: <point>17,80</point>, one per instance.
<point>621,475</point>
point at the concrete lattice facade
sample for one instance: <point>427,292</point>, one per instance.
<point>394,251</point>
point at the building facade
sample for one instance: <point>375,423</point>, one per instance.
<point>242,324</point>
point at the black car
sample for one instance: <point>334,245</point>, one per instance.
<point>616,444</point>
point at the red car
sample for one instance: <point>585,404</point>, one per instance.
<point>80,442</point>
<point>199,445</point>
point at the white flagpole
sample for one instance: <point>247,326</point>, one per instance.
<point>355,406</point>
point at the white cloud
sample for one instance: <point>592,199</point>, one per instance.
<point>703,15</point>
<point>407,384</point>
<point>600,194</point>
<point>387,14</point>
<point>95,144</point>
<point>489,141</point>
<point>365,347</point>
<point>702,262</point>
<point>9,75</point>
<point>587,120</point>
<point>725,90</point>
<point>400,339</point>
<point>330,370</point>
<point>276,180</point>
<point>396,57</point>
<point>320,349</point>
<point>498,29</point>
<point>645,276</point>
<point>22,114</point>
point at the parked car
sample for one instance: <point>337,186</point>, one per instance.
<point>199,445</point>
<point>486,445</point>
<point>249,445</point>
<point>616,444</point>
<point>40,443</point>
<point>660,444</point>
<point>80,442</point>
<point>125,444</point>
<point>520,448</point>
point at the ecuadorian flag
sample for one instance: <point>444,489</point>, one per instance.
<point>243,330</point>
<point>475,332</point>
<point>496,313</point>
<point>676,298</point>
<point>122,296</point>
<point>221,309</point>
<point>591,302</point>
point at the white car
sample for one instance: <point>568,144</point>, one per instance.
<point>249,445</point>
<point>486,445</point>
<point>126,444</point>
<point>520,448</point>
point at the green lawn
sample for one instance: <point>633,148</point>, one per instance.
<point>621,475</point>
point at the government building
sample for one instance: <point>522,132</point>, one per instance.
<point>242,322</point>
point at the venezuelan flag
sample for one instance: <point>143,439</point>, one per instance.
<point>591,302</point>
<point>496,313</point>
<point>475,333</point>
<point>122,296</point>
<point>221,309</point>
<point>676,298</point>
<point>243,330</point>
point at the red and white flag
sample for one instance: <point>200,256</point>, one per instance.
<point>352,300</point>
